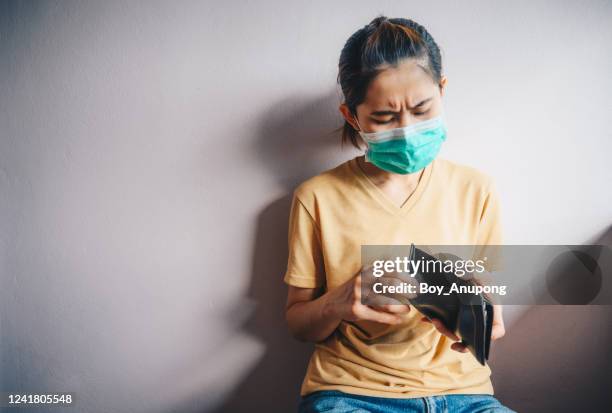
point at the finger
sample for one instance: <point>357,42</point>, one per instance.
<point>498,331</point>
<point>396,308</point>
<point>357,287</point>
<point>496,336</point>
<point>379,316</point>
<point>390,287</point>
<point>460,347</point>
<point>443,330</point>
<point>389,304</point>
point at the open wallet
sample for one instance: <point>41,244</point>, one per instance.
<point>469,316</point>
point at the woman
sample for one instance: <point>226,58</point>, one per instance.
<point>386,358</point>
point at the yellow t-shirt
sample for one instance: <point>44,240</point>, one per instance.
<point>332,215</point>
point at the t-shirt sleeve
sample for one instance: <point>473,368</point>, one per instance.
<point>490,236</point>
<point>305,260</point>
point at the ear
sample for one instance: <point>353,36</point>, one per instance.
<point>443,81</point>
<point>348,116</point>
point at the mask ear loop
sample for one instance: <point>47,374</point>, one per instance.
<point>366,142</point>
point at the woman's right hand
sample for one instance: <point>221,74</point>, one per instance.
<point>312,316</point>
<point>345,302</point>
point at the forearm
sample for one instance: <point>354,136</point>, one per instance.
<point>313,320</point>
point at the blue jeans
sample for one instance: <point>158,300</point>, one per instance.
<point>334,401</point>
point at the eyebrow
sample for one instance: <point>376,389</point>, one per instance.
<point>391,112</point>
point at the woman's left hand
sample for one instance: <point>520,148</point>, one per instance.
<point>498,329</point>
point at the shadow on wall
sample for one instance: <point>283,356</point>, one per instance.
<point>296,141</point>
<point>273,385</point>
<point>556,358</point>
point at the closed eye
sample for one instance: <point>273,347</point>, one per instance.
<point>383,122</point>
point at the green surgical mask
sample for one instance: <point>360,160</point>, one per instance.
<point>408,149</point>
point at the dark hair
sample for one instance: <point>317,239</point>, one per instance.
<point>383,41</point>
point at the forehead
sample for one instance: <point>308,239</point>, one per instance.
<point>408,82</point>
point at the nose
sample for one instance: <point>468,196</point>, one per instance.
<point>407,119</point>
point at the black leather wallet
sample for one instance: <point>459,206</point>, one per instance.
<point>470,316</point>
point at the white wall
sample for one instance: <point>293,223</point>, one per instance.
<point>147,156</point>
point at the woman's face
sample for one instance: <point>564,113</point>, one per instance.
<point>397,97</point>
